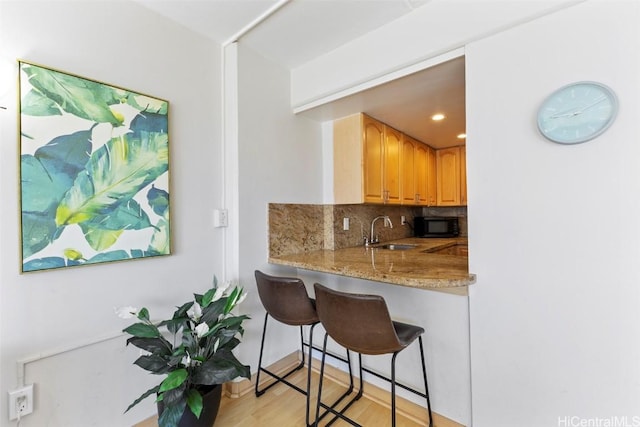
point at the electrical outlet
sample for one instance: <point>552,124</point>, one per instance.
<point>20,402</point>
<point>345,224</point>
<point>403,220</point>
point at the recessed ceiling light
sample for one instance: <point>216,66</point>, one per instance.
<point>462,136</point>
<point>437,117</point>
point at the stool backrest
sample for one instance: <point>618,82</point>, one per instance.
<point>358,322</point>
<point>286,299</point>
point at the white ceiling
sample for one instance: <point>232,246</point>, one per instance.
<point>297,31</point>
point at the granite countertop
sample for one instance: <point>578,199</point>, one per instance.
<point>412,267</point>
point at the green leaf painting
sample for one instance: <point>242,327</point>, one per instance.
<point>94,166</point>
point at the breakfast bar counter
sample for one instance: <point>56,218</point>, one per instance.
<point>417,263</point>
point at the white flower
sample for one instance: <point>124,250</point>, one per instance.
<point>220,290</point>
<point>186,360</point>
<point>242,298</point>
<point>195,312</point>
<point>126,312</point>
<point>201,330</point>
<point>215,345</point>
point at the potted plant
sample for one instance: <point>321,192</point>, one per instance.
<point>195,354</point>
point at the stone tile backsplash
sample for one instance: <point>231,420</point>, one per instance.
<point>295,228</point>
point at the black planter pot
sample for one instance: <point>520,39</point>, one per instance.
<point>210,404</point>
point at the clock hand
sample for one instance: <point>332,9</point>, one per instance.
<point>592,104</point>
<point>571,114</point>
<point>579,111</point>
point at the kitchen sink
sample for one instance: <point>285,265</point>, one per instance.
<point>396,246</point>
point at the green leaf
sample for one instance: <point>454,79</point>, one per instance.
<point>73,254</point>
<point>161,239</point>
<point>109,256</point>
<point>46,263</point>
<point>115,173</point>
<point>84,98</point>
<point>35,103</point>
<point>158,346</point>
<point>128,215</point>
<point>144,395</point>
<point>99,239</point>
<point>174,325</point>
<point>49,173</point>
<point>212,312</point>
<point>143,314</point>
<point>40,193</point>
<point>174,380</point>
<point>159,201</point>
<point>171,414</point>
<point>143,330</point>
<point>145,103</point>
<point>231,300</point>
<point>102,231</point>
<point>194,401</point>
<point>153,363</point>
<point>181,312</point>
<point>208,297</point>
<point>222,367</point>
<point>66,155</point>
<point>148,121</point>
<point>38,231</point>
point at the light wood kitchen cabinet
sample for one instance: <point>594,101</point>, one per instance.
<point>411,168</point>
<point>392,183</point>
<point>425,175</point>
<point>373,148</point>
<point>367,157</point>
<point>432,177</point>
<point>449,165</point>
<point>375,163</point>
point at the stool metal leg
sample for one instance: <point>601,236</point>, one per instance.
<point>278,378</point>
<point>393,389</point>
<point>338,414</point>
<point>424,375</point>
<point>309,424</point>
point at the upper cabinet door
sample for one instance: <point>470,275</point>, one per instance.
<point>421,176</point>
<point>448,165</point>
<point>393,166</point>
<point>432,177</point>
<point>374,160</point>
<point>409,168</point>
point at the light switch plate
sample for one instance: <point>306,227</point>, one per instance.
<point>220,218</point>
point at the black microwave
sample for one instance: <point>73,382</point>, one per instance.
<point>436,226</point>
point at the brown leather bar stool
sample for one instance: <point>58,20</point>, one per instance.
<point>286,300</point>
<point>362,323</point>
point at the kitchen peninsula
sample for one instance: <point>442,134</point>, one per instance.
<point>310,241</point>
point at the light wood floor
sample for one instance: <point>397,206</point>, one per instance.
<point>282,406</point>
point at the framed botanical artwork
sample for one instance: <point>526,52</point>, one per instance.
<point>94,171</point>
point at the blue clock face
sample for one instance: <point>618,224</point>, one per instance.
<point>577,112</point>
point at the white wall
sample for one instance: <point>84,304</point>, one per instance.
<point>554,230</point>
<point>436,28</point>
<point>123,44</point>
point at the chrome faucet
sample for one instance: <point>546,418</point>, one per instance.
<point>374,240</point>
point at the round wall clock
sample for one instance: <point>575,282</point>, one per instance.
<point>577,112</point>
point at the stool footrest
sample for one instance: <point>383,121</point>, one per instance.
<point>281,379</point>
